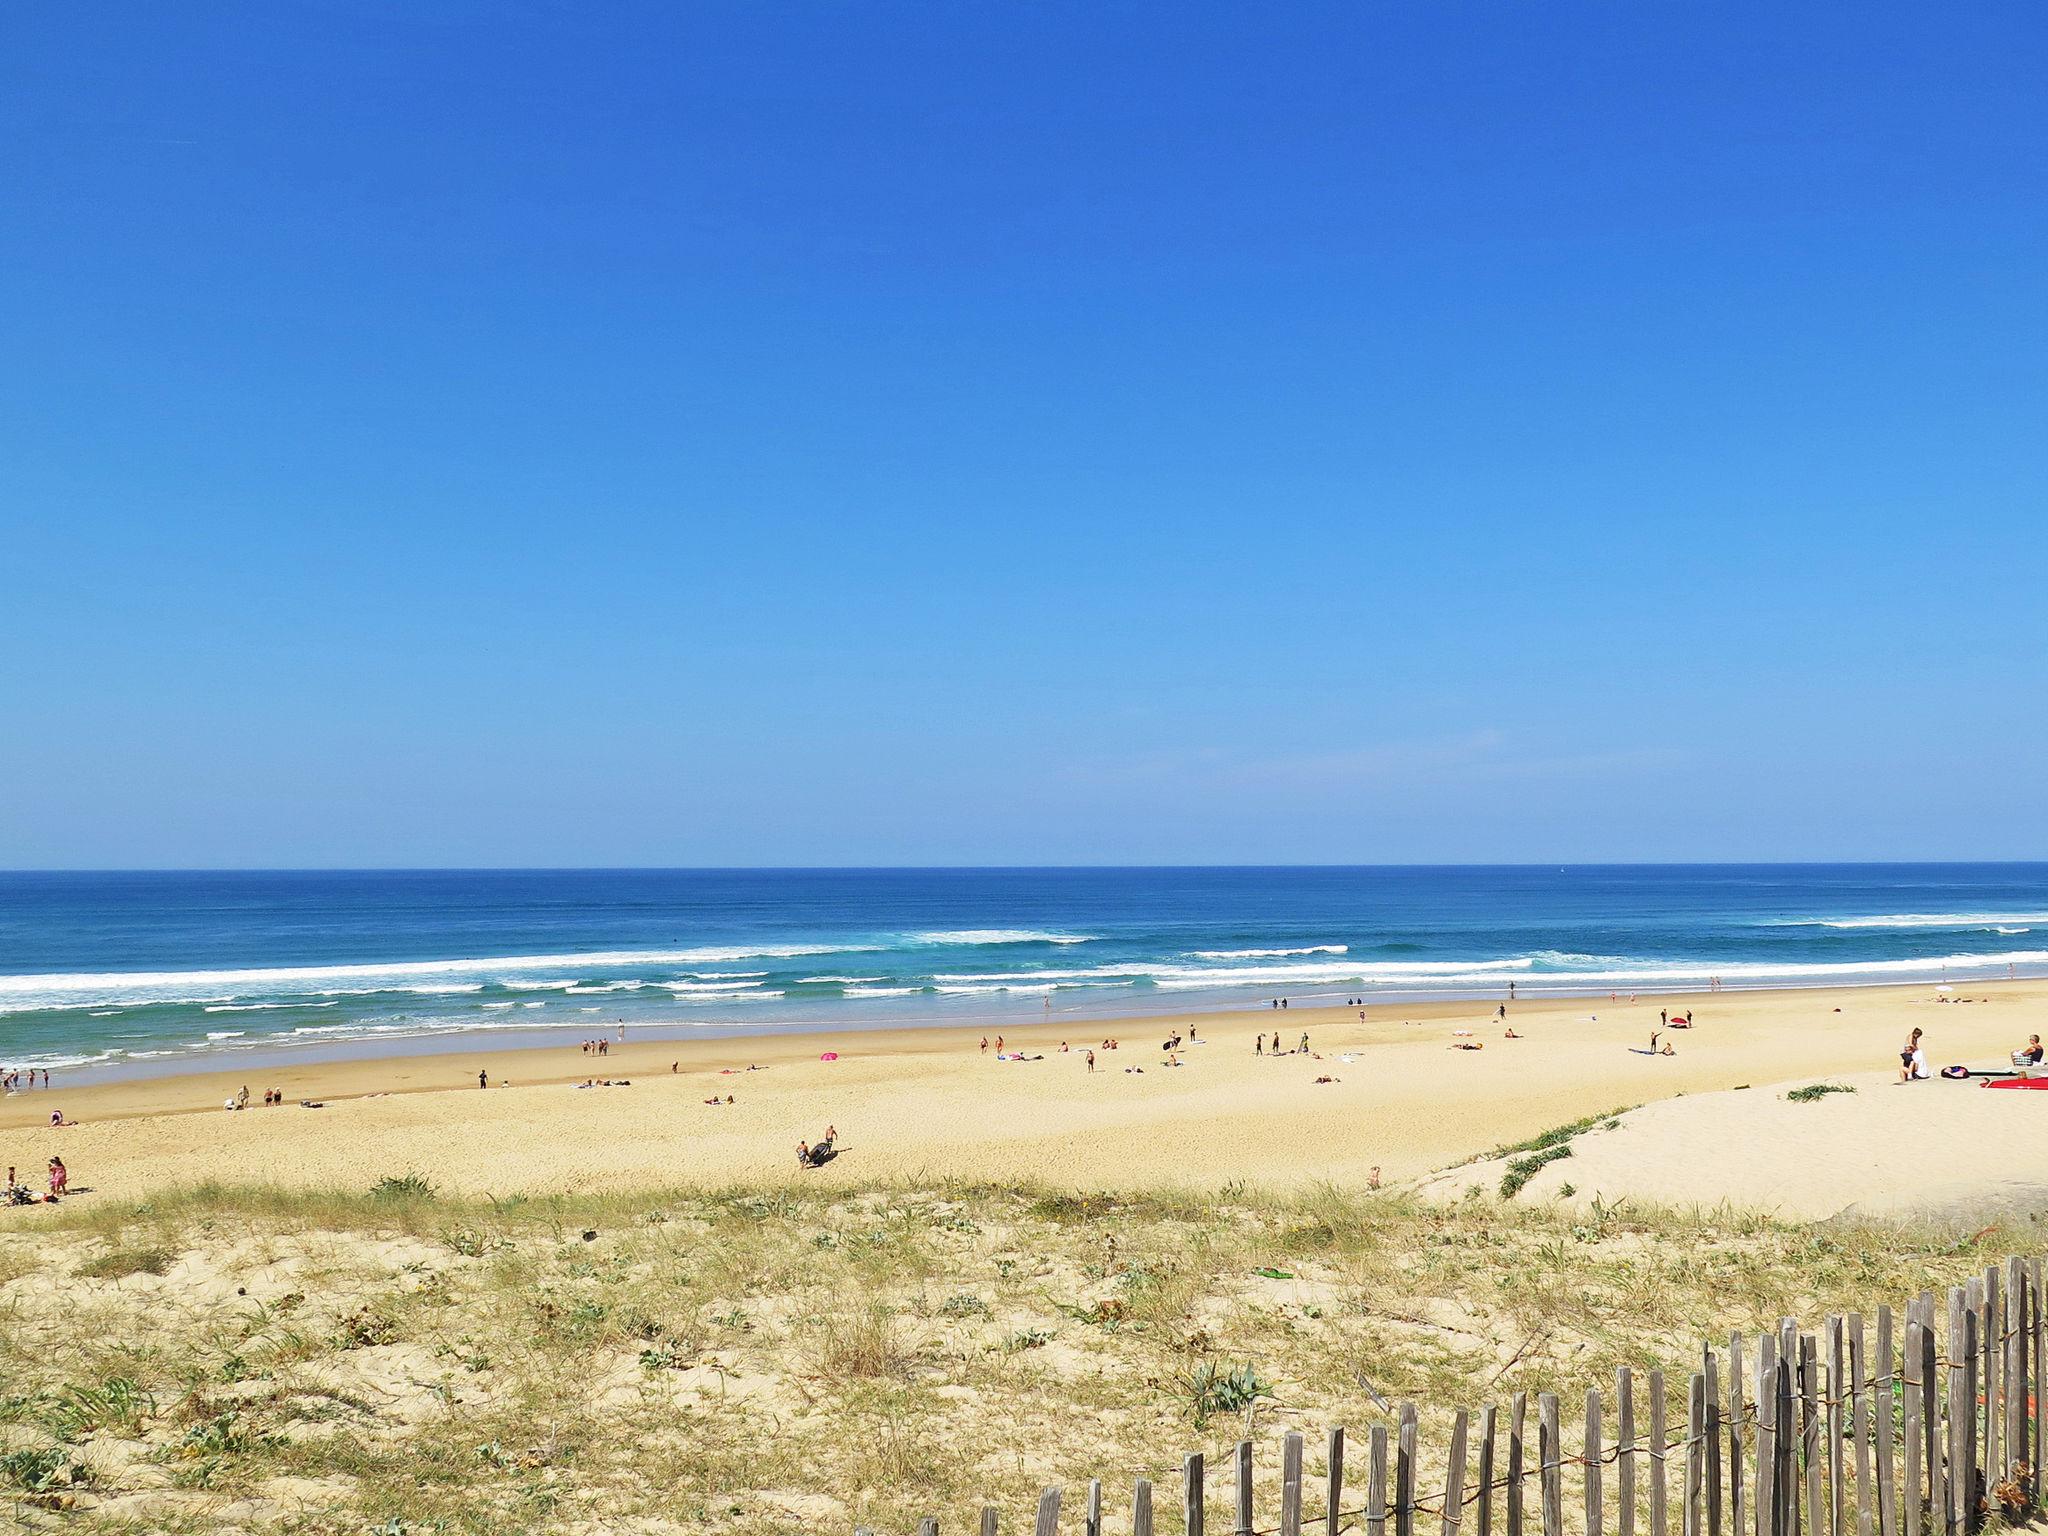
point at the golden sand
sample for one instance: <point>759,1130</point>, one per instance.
<point>928,1103</point>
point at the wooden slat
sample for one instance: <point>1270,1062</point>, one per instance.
<point>1766,1435</point>
<point>1737,1496</point>
<point>1489,1431</point>
<point>988,1520</point>
<point>1048,1513</point>
<point>1093,1524</point>
<point>1956,1448</point>
<point>1454,1477</point>
<point>2013,1373</point>
<point>1550,1457</point>
<point>1659,1511</point>
<point>1376,1484</point>
<point>1711,1429</point>
<point>1592,1458</point>
<point>1191,1492</point>
<point>1860,1395</point>
<point>1809,1430</point>
<point>928,1526</point>
<point>1243,1462</point>
<point>1989,1330</point>
<point>1695,1456</point>
<point>1879,1405</point>
<point>1518,1436</point>
<point>1912,1506</point>
<point>2038,1410</point>
<point>1290,1485</point>
<point>1930,1420</point>
<point>1404,1474</point>
<point>1785,1500</point>
<point>1625,1453</point>
<point>1834,1391</point>
<point>1333,1507</point>
<point>1141,1509</point>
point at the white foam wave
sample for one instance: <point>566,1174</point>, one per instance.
<point>44,989</point>
<point>1920,920</point>
<point>882,991</point>
<point>609,986</point>
<point>260,1007</point>
<point>999,936</point>
<point>225,1034</point>
<point>820,981</point>
<point>704,988</point>
<point>1269,954</point>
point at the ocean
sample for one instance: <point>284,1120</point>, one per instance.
<point>118,973</point>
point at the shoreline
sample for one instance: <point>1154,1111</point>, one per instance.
<point>925,1102</point>
<point>284,1055</point>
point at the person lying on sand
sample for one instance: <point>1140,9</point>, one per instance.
<point>1467,1045</point>
<point>1511,1035</point>
<point>1326,1078</point>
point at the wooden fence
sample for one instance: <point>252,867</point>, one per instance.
<point>1929,1424</point>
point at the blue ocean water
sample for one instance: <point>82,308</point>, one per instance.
<point>157,970</point>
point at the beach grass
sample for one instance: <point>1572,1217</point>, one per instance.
<point>759,1358</point>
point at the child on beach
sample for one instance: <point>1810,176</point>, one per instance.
<point>1912,1060</point>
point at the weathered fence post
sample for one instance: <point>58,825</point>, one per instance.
<point>1244,1489</point>
<point>1550,1455</point>
<point>1094,1517</point>
<point>1290,1485</point>
<point>1376,1484</point>
<point>1048,1513</point>
<point>1333,1510</point>
<point>1625,1451</point>
<point>1489,1425</point>
<point>1736,1505</point>
<point>1454,1476</point>
<point>1404,1474</point>
<point>1695,1455</point>
<point>1710,1428</point>
<point>1518,1434</point>
<point>1191,1492</point>
<point>1660,1524</point>
<point>1592,1457</point>
<point>1141,1509</point>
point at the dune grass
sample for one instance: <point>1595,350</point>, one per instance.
<point>764,1359</point>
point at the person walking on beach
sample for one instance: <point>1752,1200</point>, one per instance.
<point>1304,1042</point>
<point>483,1078</point>
<point>1091,1061</point>
<point>1260,1048</point>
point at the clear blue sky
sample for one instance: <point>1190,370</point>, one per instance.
<point>711,434</point>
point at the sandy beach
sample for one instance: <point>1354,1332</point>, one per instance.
<point>931,1104</point>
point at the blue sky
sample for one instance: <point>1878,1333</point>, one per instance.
<point>872,433</point>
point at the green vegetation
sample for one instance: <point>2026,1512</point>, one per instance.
<point>1813,1091</point>
<point>1521,1170</point>
<point>1557,1135</point>
<point>756,1360</point>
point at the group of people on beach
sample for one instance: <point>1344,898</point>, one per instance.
<point>1259,1046</point>
<point>817,1154</point>
<point>17,1193</point>
<point>10,1080</point>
